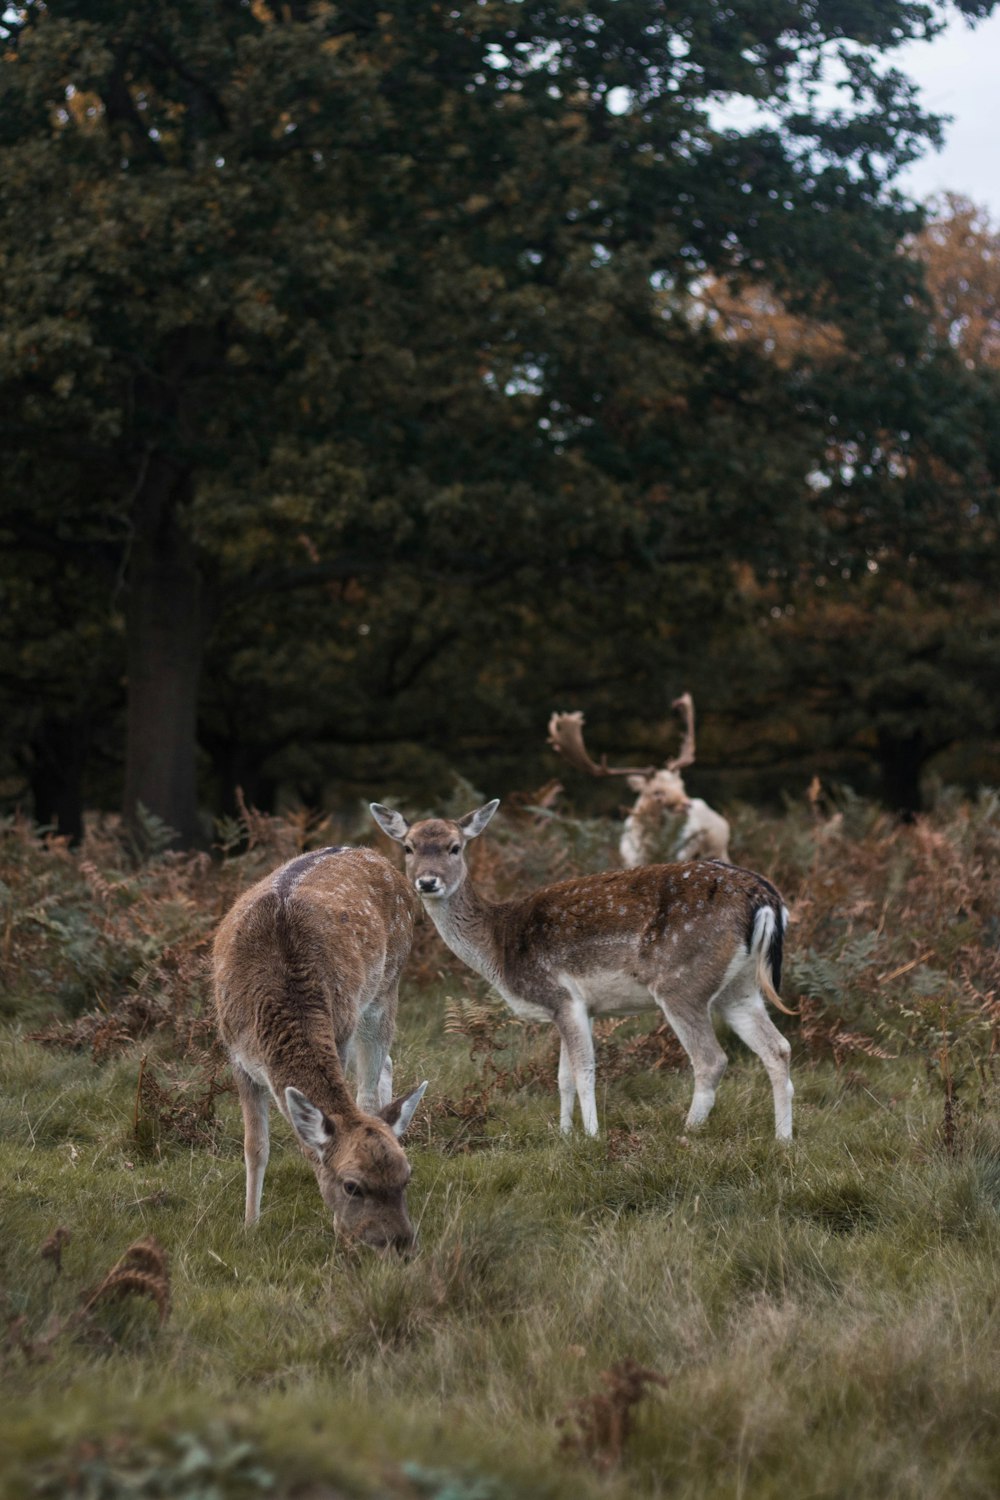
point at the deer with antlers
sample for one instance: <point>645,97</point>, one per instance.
<point>691,939</point>
<point>705,834</point>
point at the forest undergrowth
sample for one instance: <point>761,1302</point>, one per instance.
<point>644,1314</point>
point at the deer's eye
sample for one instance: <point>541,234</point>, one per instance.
<point>353,1189</point>
<point>455,849</point>
<point>407,848</point>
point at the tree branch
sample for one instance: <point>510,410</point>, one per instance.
<point>158,50</point>
<point>120,107</point>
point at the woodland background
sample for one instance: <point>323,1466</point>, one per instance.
<point>373,382</point>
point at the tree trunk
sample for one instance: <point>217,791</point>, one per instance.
<point>165,622</point>
<point>901,761</point>
<point>58,756</point>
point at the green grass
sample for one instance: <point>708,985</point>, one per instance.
<point>826,1315</point>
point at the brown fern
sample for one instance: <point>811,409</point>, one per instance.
<point>141,1271</point>
<point>97,883</point>
<point>52,1248</point>
<point>179,1110</point>
<point>598,1427</point>
<point>823,1035</point>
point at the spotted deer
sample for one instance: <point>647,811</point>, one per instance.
<point>306,969</point>
<point>693,939</point>
<point>661,792</point>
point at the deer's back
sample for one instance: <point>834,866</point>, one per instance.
<point>306,949</point>
<point>634,922</point>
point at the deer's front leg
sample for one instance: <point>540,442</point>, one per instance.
<point>567,1088</point>
<point>577,1048</point>
<point>255,1102</point>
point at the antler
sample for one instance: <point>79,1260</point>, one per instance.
<point>566,737</point>
<point>685,756</point>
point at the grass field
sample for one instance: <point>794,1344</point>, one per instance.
<point>819,1320</point>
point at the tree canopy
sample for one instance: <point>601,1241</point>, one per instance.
<point>362,397</point>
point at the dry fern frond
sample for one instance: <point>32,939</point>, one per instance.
<point>147,1255</point>
<point>825,1036</point>
<point>281,836</point>
<point>101,1032</point>
<point>179,1110</point>
<point>142,1270</point>
<point>650,1052</point>
<point>473,1019</point>
<point>122,1283</point>
<point>52,1248</point>
<point>254,822</point>
<point>96,882</point>
<point>598,1427</point>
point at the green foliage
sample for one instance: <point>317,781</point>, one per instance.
<point>338,345</point>
<point>828,978</point>
<point>151,834</point>
<point>188,1468</point>
<point>439,1484</point>
<point>81,937</point>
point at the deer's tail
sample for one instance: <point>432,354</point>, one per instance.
<point>767,946</point>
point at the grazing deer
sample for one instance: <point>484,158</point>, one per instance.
<point>705,834</point>
<point>692,939</point>
<point>306,972</point>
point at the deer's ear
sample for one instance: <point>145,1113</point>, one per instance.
<point>313,1128</point>
<point>392,823</point>
<point>636,783</point>
<point>398,1114</point>
<point>473,823</point>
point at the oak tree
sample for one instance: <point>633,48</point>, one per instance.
<point>308,298</point>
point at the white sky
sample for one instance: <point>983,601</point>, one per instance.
<point>959,75</point>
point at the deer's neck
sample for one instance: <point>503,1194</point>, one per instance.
<point>467,923</point>
<point>315,1070</point>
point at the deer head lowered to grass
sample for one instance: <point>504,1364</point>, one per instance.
<point>705,834</point>
<point>692,939</point>
<point>306,970</point>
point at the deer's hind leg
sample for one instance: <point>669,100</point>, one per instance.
<point>747,1014</point>
<point>692,1025</point>
<point>373,1064</point>
<point>255,1102</point>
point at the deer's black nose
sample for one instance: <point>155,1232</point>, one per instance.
<point>429,884</point>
